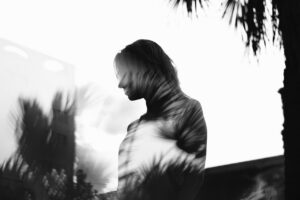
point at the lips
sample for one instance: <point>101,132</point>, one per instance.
<point>126,91</point>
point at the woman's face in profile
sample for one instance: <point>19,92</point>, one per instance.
<point>129,82</point>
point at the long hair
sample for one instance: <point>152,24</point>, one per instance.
<point>148,57</point>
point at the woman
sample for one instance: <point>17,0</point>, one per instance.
<point>163,153</point>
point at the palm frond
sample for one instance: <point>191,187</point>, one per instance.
<point>189,4</point>
<point>15,183</point>
<point>34,129</point>
<point>252,16</point>
<point>69,106</point>
<point>275,22</point>
<point>16,168</point>
<point>37,143</point>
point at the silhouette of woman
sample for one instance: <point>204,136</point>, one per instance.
<point>163,154</point>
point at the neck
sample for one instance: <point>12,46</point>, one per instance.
<point>163,101</point>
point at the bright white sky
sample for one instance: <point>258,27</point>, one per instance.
<point>239,95</point>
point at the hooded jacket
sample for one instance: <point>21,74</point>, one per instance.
<point>169,140</point>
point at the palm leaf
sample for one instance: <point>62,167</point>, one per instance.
<point>275,22</point>
<point>34,130</point>
<point>189,4</point>
<point>251,15</point>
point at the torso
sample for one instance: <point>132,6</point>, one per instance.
<point>149,142</point>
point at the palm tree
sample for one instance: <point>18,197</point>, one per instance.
<point>252,15</point>
<point>47,141</point>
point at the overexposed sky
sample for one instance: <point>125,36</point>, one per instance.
<point>238,94</point>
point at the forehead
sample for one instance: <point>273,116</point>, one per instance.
<point>126,64</point>
<point>122,69</point>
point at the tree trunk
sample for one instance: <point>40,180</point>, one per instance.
<point>289,19</point>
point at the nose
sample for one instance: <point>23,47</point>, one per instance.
<point>122,82</point>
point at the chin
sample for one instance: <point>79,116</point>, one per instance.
<point>132,98</point>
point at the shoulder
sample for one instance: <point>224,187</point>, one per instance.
<point>194,104</point>
<point>192,109</point>
<point>133,125</point>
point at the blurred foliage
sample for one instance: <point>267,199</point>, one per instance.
<point>251,15</point>
<point>36,170</point>
<point>39,135</point>
<point>18,182</point>
<point>15,180</point>
<point>170,181</point>
<point>83,190</point>
<point>55,184</point>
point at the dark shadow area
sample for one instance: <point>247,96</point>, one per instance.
<point>257,179</point>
